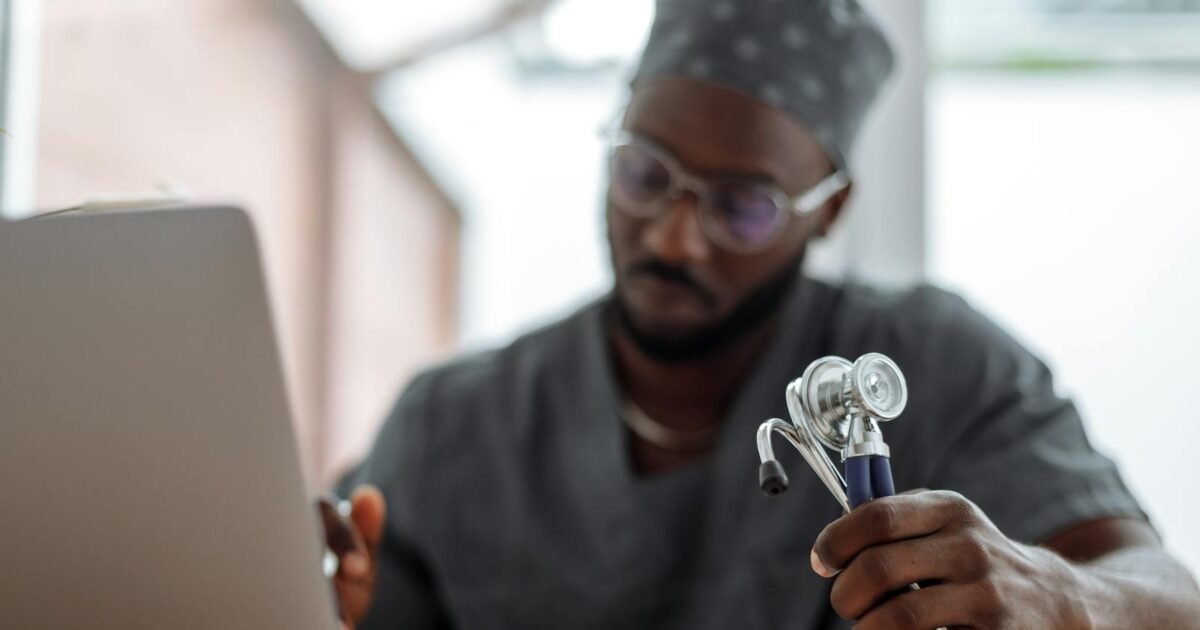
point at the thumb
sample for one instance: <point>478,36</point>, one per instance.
<point>368,509</point>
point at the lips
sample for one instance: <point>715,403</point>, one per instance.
<point>669,280</point>
<point>665,294</point>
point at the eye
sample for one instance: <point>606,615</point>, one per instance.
<point>637,175</point>
<point>749,213</point>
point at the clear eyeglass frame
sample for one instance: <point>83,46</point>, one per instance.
<point>682,181</point>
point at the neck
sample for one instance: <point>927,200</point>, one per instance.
<point>687,394</point>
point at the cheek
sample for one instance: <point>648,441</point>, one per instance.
<point>792,242</point>
<point>742,273</point>
<point>623,232</point>
<point>748,273</point>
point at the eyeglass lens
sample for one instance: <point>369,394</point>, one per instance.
<point>739,214</point>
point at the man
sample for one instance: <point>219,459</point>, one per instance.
<point>601,472</point>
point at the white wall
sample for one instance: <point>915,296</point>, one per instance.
<point>523,160</point>
<point>881,234</point>
<point>1066,206</point>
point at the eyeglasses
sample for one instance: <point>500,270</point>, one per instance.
<point>740,216</point>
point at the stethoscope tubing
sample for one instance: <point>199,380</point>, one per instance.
<point>868,477</point>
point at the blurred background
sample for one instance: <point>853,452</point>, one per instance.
<point>426,179</point>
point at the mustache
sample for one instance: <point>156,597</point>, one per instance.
<point>675,274</point>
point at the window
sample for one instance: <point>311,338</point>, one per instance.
<point>20,35</point>
<point>1063,203</point>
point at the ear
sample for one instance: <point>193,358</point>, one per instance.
<point>829,213</point>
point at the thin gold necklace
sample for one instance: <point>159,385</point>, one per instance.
<point>662,436</point>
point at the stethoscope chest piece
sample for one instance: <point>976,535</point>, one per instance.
<point>821,399</point>
<point>877,387</point>
<point>838,405</point>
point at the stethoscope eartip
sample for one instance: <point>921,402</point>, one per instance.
<point>771,478</point>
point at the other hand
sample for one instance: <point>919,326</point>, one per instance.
<point>354,538</point>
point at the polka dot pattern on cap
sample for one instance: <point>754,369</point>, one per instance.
<point>747,49</point>
<point>821,61</point>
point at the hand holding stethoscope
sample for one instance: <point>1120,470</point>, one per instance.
<point>839,404</point>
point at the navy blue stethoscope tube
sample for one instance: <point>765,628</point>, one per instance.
<point>868,477</point>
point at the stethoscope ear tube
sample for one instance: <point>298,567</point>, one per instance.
<point>868,477</point>
<point>772,479</point>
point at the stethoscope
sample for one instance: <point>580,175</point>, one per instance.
<point>840,405</point>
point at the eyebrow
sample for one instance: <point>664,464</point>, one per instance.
<point>743,176</point>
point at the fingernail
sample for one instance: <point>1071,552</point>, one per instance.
<point>354,563</point>
<point>819,568</point>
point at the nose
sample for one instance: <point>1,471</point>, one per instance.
<point>676,236</point>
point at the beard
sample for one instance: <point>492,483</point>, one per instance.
<point>761,303</point>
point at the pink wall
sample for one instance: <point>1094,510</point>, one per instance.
<point>395,277</point>
<point>240,100</point>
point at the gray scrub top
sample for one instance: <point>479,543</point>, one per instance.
<point>513,502</point>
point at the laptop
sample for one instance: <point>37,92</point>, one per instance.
<point>149,473</point>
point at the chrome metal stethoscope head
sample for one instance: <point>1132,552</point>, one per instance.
<point>878,387</point>
<point>833,391</point>
<point>834,404</point>
<point>820,393</point>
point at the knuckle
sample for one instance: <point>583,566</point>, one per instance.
<point>958,509</point>
<point>877,567</point>
<point>869,574</point>
<point>976,556</point>
<point>988,603</point>
<point>901,615</point>
<point>842,598</point>
<point>989,595</point>
<point>885,518</point>
<point>948,499</point>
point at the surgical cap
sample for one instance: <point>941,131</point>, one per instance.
<point>821,61</point>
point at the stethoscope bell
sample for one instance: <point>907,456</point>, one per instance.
<point>837,405</point>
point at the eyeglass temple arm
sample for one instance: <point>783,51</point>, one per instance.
<point>818,195</point>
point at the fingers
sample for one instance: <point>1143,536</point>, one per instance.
<point>368,510</point>
<point>353,531</point>
<point>938,606</point>
<point>886,520</point>
<point>342,537</point>
<point>879,572</point>
<point>365,518</point>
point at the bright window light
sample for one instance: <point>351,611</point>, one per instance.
<point>368,32</point>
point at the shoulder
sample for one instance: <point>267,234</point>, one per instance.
<point>489,376</point>
<point>475,399</point>
<point>959,364</point>
<point>921,316</point>
<point>933,334</point>
<point>912,307</point>
<point>451,430</point>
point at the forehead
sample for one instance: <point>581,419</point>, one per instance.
<point>715,130</point>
